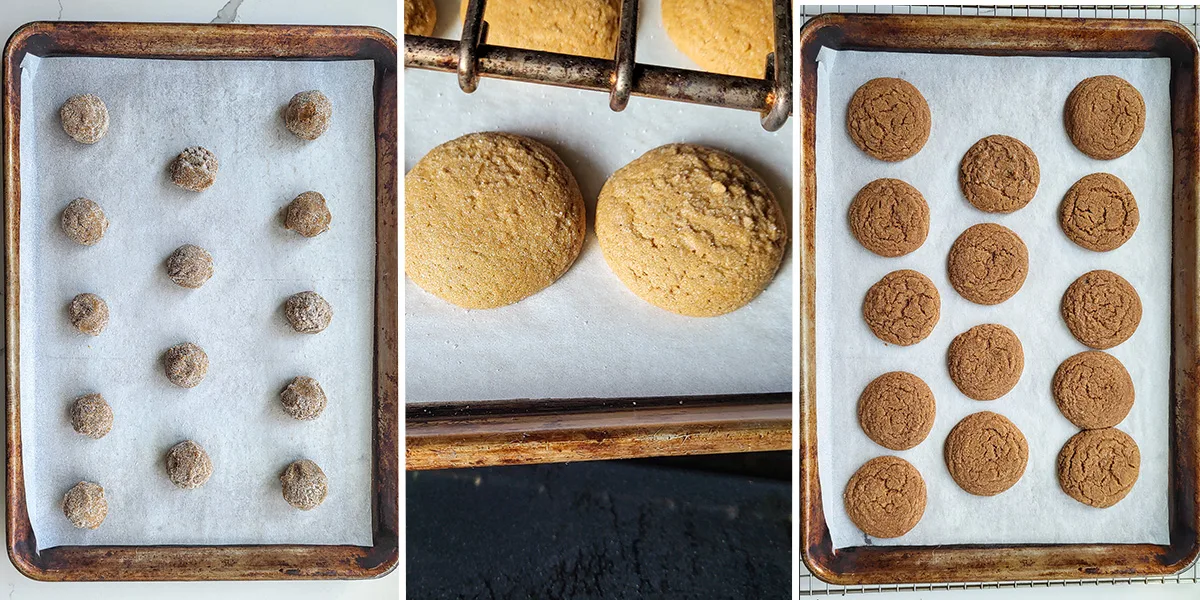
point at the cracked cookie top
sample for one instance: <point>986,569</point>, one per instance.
<point>986,361</point>
<point>1093,390</point>
<point>1098,467</point>
<point>1101,309</point>
<point>1099,212</point>
<point>986,454</point>
<point>902,308</point>
<point>885,498</point>
<point>999,174</point>
<point>888,119</point>
<point>988,263</point>
<point>896,410</point>
<point>889,217</point>
<point>1105,116</point>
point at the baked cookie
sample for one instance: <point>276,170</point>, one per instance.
<point>889,217</point>
<point>986,453</point>
<point>489,219</point>
<point>691,229</point>
<point>896,410</point>
<point>986,361</point>
<point>1093,390</point>
<point>988,263</point>
<point>577,27</point>
<point>1101,309</point>
<point>1105,116</point>
<point>888,119</point>
<point>902,308</point>
<point>885,498</point>
<point>1098,467</point>
<point>419,17</point>
<point>1099,212</point>
<point>999,174</point>
<point>722,36</point>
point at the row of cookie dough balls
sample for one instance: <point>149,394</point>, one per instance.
<point>306,312</point>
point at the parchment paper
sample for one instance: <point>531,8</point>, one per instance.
<point>969,98</point>
<point>156,109</point>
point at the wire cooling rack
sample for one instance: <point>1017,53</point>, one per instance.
<point>1187,16</point>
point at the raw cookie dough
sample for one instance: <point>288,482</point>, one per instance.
<point>84,222</point>
<point>304,484</point>
<point>185,364</point>
<point>889,217</point>
<point>988,263</point>
<point>308,215</point>
<point>1105,116</point>
<point>1101,309</point>
<point>194,169</point>
<point>896,410</point>
<point>88,313</point>
<point>85,506</point>
<point>308,312</point>
<point>577,27</point>
<point>190,266</point>
<point>986,453</point>
<point>308,114</point>
<point>999,174</point>
<point>490,219</point>
<point>1098,467</point>
<point>84,118</point>
<point>722,36</point>
<point>985,361</point>
<point>902,308</point>
<point>889,119</point>
<point>91,416</point>
<point>303,398</point>
<point>419,17</point>
<point>885,498</point>
<point>691,229</point>
<point>1093,390</point>
<point>188,465</point>
<point>1099,212</point>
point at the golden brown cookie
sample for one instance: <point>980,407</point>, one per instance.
<point>578,27</point>
<point>723,36</point>
<point>889,119</point>
<point>1099,212</point>
<point>420,16</point>
<point>986,361</point>
<point>889,217</point>
<point>986,453</point>
<point>988,263</point>
<point>1101,309</point>
<point>1093,390</point>
<point>902,308</point>
<point>1105,116</point>
<point>896,410</point>
<point>1098,467</point>
<point>885,498</point>
<point>999,174</point>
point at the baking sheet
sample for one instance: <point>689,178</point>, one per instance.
<point>971,97</point>
<point>156,109</point>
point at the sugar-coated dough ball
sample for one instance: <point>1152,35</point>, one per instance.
<point>308,215</point>
<point>91,416</point>
<point>304,484</point>
<point>186,364</point>
<point>188,465</point>
<point>84,118</point>
<point>303,398</point>
<point>308,312</point>
<point>85,506</point>
<point>84,222</point>
<point>190,266</point>
<point>88,313</point>
<point>308,114</point>
<point>194,169</point>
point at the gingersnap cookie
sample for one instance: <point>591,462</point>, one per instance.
<point>986,453</point>
<point>902,308</point>
<point>1093,390</point>
<point>985,361</point>
<point>988,263</point>
<point>1101,309</point>
<point>419,17</point>
<point>577,27</point>
<point>84,117</point>
<point>1098,467</point>
<point>726,36</point>
<point>1099,212</point>
<point>889,217</point>
<point>691,229</point>
<point>888,119</point>
<point>885,497</point>
<point>896,410</point>
<point>1105,116</point>
<point>999,174</point>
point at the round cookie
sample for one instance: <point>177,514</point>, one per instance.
<point>303,399</point>
<point>896,410</point>
<point>304,484</point>
<point>85,506</point>
<point>1099,212</point>
<point>985,361</point>
<point>195,169</point>
<point>888,119</point>
<point>986,453</point>
<point>84,222</point>
<point>1093,390</point>
<point>91,416</point>
<point>988,263</point>
<point>1098,467</point>
<point>889,217</point>
<point>185,364</point>
<point>722,36</point>
<point>691,230</point>
<point>999,174</point>
<point>420,16</point>
<point>1105,116</point>
<point>1101,309</point>
<point>490,219</point>
<point>576,27</point>
<point>188,465</point>
<point>189,266</point>
<point>84,118</point>
<point>88,313</point>
<point>902,308</point>
<point>308,215</point>
<point>308,115</point>
<point>307,312</point>
<point>885,498</point>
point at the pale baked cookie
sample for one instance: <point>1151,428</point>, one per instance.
<point>902,308</point>
<point>1101,309</point>
<point>1093,390</point>
<point>999,174</point>
<point>889,217</point>
<point>490,219</point>
<point>303,399</point>
<point>85,506</point>
<point>1105,116</point>
<point>986,453</point>
<point>189,266</point>
<point>578,27</point>
<point>691,229</point>
<point>988,263</point>
<point>722,36</point>
<point>188,465</point>
<point>985,361</point>
<point>308,215</point>
<point>420,16</point>
<point>896,410</point>
<point>195,169</point>
<point>308,114</point>
<point>84,118</point>
<point>885,497</point>
<point>88,313</point>
<point>91,416</point>
<point>889,119</point>
<point>1099,212</point>
<point>307,312</point>
<point>304,484</point>
<point>1098,467</point>
<point>84,222</point>
<point>185,364</point>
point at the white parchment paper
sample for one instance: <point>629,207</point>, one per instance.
<point>971,97</point>
<point>233,108</point>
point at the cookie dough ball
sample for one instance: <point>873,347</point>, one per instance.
<point>1105,116</point>
<point>304,484</point>
<point>190,266</point>
<point>88,313</point>
<point>902,308</point>
<point>84,118</point>
<point>888,119</point>
<point>490,219</point>
<point>186,364</point>
<point>988,263</point>
<point>885,498</point>
<point>889,217</point>
<point>1099,212</point>
<point>91,416</point>
<point>577,27</point>
<point>986,454</point>
<point>308,114</point>
<point>691,229</point>
<point>896,410</point>
<point>85,506</point>
<point>303,398</point>
<point>188,465</point>
<point>308,312</point>
<point>308,215</point>
<point>194,169</point>
<point>420,16</point>
<point>986,361</point>
<point>722,36</point>
<point>1098,467</point>
<point>84,222</point>
<point>1093,390</point>
<point>1101,309</point>
<point>999,174</point>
